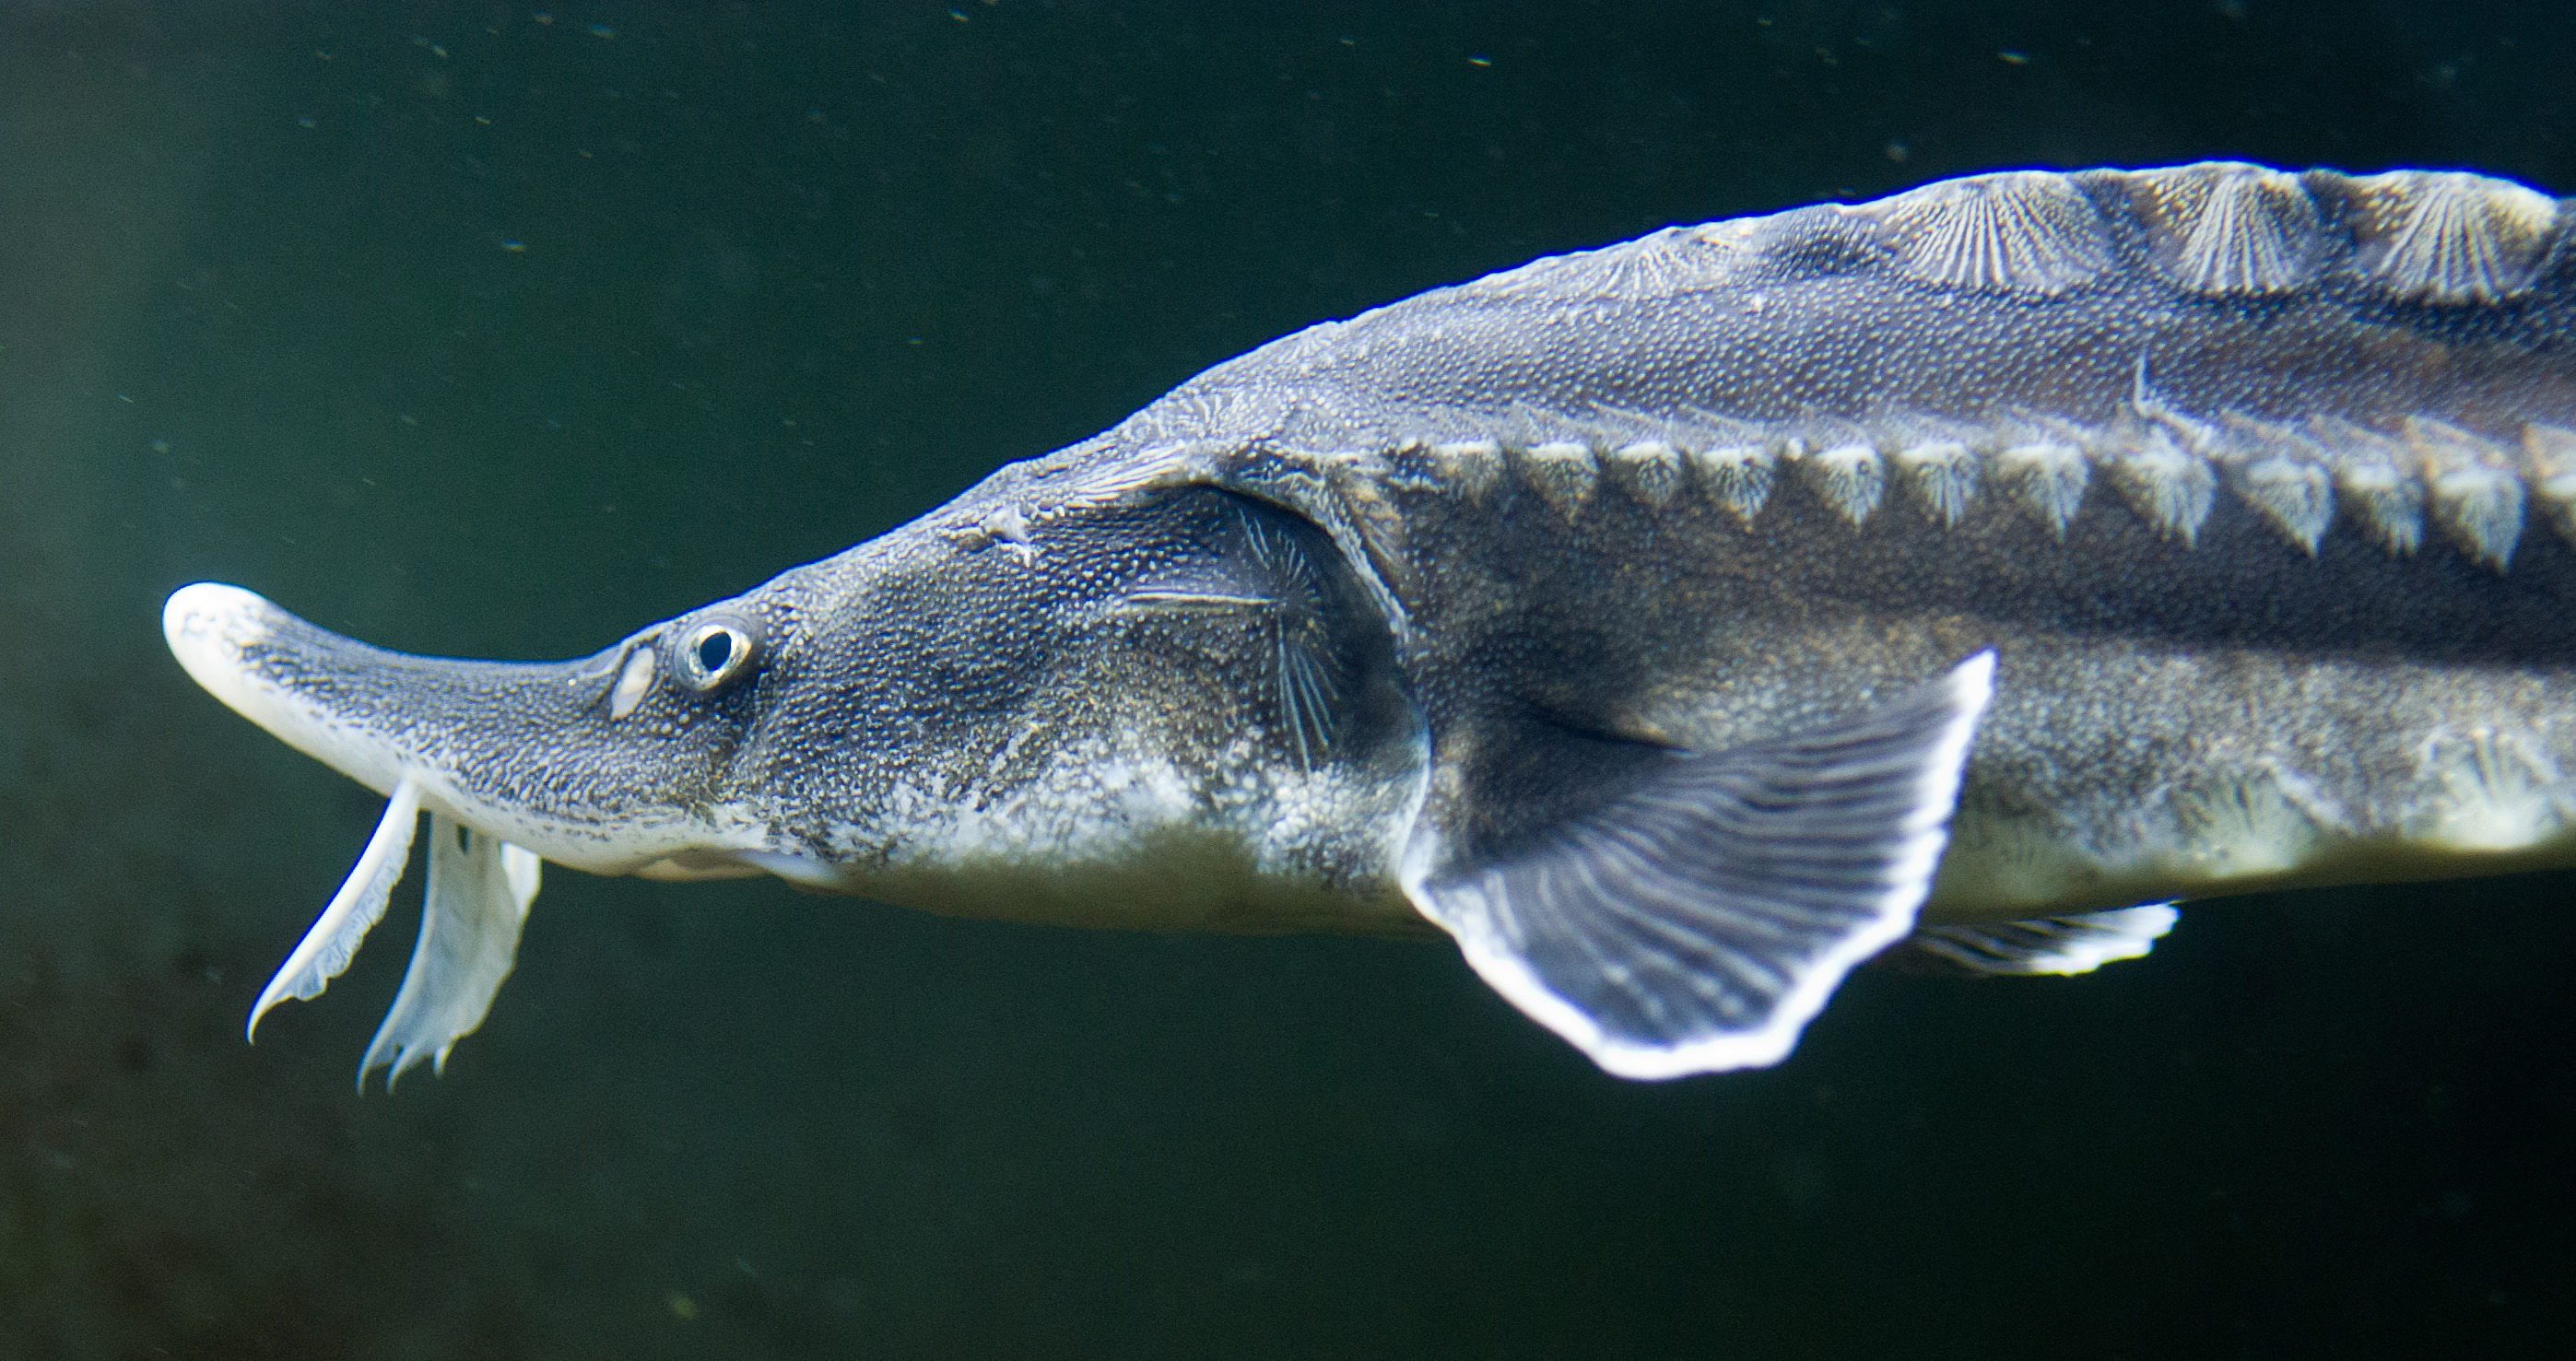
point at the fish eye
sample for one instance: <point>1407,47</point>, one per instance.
<point>715,651</point>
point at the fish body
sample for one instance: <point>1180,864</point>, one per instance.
<point>1675,624</point>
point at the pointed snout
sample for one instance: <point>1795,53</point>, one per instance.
<point>194,611</point>
<point>232,642</point>
<point>208,625</point>
<point>531,753</point>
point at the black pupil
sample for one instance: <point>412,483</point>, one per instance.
<point>715,650</point>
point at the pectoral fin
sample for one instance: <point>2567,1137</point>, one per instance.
<point>1675,912</point>
<point>479,891</point>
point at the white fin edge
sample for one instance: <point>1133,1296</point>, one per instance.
<point>336,935</point>
<point>2060,947</point>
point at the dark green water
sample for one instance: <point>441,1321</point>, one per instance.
<point>471,329</point>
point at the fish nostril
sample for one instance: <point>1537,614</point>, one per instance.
<point>633,680</point>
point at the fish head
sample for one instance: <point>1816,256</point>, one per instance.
<point>613,762</point>
<point>924,710</point>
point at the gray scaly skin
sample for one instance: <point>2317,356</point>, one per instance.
<point>2256,485</point>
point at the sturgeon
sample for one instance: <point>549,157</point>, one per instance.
<point>1675,625</point>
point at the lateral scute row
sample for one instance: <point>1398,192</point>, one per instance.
<point>2167,467</point>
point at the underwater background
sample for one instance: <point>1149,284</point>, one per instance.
<point>500,331</point>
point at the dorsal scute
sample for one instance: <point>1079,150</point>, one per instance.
<point>2214,229</point>
<point>2446,237</point>
<point>1659,265</point>
<point>2224,232</point>
<point>2226,228</point>
<point>2026,232</point>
